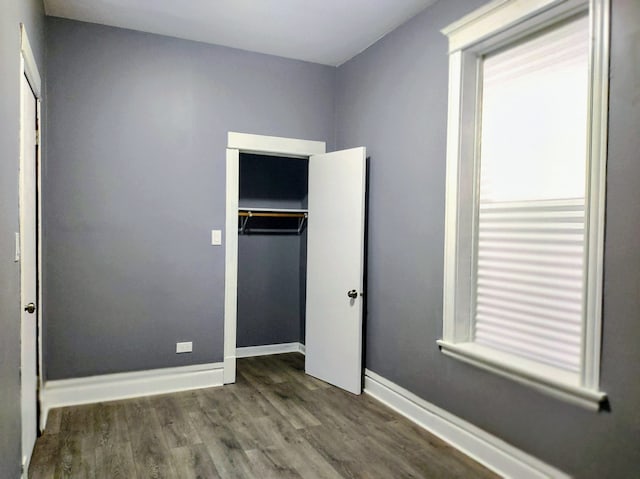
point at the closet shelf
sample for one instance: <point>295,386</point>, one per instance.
<point>246,213</point>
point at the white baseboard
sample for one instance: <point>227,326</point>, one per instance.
<point>488,450</point>
<point>110,387</point>
<point>251,351</point>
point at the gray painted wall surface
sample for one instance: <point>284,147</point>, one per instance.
<point>268,289</point>
<point>136,181</point>
<point>302,281</point>
<point>393,99</point>
<point>271,275</point>
<point>143,176</point>
<point>12,13</point>
<point>273,182</point>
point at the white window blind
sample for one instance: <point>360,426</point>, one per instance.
<point>531,220</point>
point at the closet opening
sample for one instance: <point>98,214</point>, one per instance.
<point>272,254</point>
<point>294,255</point>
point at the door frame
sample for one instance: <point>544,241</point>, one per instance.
<point>29,69</point>
<point>262,145</point>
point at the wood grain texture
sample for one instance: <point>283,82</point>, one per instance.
<point>275,422</point>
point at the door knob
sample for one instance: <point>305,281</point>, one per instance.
<point>353,294</point>
<point>30,308</point>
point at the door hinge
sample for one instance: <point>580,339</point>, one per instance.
<point>37,137</point>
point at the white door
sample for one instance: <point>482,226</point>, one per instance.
<point>335,263</point>
<point>28,271</point>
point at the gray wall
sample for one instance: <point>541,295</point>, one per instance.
<point>273,182</point>
<point>271,273</point>
<point>393,99</point>
<point>268,289</point>
<point>136,180</point>
<point>12,13</point>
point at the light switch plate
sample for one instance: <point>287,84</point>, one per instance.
<point>216,237</point>
<point>185,347</point>
<point>16,258</point>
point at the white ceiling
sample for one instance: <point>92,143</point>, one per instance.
<point>321,31</point>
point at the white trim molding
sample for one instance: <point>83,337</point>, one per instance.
<point>110,387</point>
<point>30,66</point>
<point>247,143</point>
<point>268,349</point>
<point>231,265</point>
<point>229,369</point>
<point>548,380</point>
<point>274,145</point>
<point>494,18</point>
<point>490,451</point>
<point>598,126</point>
<point>487,30</point>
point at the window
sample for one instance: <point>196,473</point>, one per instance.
<point>526,158</point>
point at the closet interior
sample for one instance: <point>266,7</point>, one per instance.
<point>272,247</point>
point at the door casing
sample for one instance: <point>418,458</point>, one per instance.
<point>29,70</point>
<point>262,145</point>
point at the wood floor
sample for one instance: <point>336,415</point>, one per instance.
<point>275,422</point>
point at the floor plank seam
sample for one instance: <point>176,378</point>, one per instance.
<point>274,422</point>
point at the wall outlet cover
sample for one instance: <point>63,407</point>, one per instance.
<point>185,347</point>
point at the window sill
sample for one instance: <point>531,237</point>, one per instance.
<point>547,379</point>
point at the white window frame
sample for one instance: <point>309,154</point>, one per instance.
<point>496,25</point>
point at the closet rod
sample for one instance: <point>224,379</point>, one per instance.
<point>272,215</point>
<point>268,230</point>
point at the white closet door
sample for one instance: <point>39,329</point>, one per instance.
<point>335,266</point>
<point>28,272</point>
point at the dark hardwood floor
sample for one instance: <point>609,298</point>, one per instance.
<point>275,422</point>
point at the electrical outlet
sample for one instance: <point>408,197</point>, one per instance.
<point>185,347</point>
